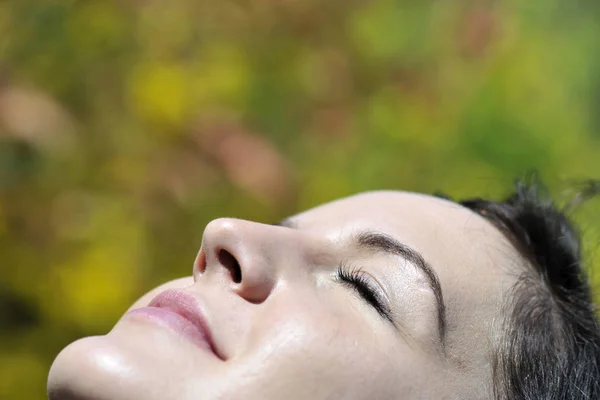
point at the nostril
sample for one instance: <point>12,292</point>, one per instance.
<point>200,263</point>
<point>228,261</point>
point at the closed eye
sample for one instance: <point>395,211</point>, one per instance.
<point>360,282</point>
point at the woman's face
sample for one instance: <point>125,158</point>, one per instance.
<point>383,295</point>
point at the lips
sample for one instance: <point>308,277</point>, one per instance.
<point>181,312</point>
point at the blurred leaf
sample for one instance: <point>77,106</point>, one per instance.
<point>22,375</point>
<point>35,117</point>
<point>160,93</point>
<point>18,162</point>
<point>389,30</point>
<point>96,282</point>
<point>248,161</point>
<point>221,75</point>
<point>16,313</point>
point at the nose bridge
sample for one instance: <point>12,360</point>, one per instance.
<point>252,256</point>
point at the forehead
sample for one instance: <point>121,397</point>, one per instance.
<point>429,223</point>
<point>473,259</point>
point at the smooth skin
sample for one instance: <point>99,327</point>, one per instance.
<point>291,329</point>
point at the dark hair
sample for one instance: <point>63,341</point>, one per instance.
<point>549,346</point>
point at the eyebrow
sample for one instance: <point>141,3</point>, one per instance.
<point>384,243</point>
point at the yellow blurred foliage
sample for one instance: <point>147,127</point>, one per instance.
<point>221,75</point>
<point>161,94</point>
<point>20,374</point>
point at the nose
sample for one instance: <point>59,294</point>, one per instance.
<point>249,257</point>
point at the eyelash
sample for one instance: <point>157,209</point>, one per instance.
<point>356,279</point>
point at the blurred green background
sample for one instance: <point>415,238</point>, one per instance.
<point>125,126</point>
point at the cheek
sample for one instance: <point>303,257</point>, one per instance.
<point>314,352</point>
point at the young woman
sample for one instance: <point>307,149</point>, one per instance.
<point>382,295</point>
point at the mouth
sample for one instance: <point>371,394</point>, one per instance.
<point>180,312</point>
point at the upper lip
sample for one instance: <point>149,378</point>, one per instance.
<point>187,306</point>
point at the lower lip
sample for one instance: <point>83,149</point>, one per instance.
<point>169,319</point>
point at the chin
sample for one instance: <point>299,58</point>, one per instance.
<point>133,361</point>
<point>92,368</point>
